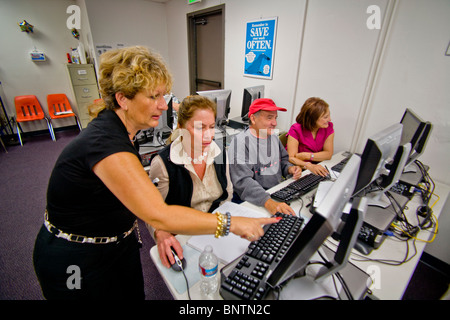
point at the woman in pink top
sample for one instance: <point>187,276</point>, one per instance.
<point>310,139</point>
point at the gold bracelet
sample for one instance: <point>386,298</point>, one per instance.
<point>222,223</point>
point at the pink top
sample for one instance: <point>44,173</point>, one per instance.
<point>306,142</point>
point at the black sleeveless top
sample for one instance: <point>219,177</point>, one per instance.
<point>181,185</point>
<point>77,200</point>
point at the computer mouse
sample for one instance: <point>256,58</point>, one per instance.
<point>180,264</point>
<point>363,248</point>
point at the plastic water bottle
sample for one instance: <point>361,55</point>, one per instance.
<point>209,266</point>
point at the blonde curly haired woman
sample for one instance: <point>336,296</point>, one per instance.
<point>98,188</point>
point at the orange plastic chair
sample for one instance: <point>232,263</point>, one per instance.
<point>59,107</point>
<point>28,109</point>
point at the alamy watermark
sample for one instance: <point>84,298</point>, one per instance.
<point>373,22</point>
<point>374,272</point>
<point>74,280</point>
<point>74,20</point>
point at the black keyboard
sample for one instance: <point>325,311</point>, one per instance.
<point>298,188</point>
<point>247,280</point>
<point>339,166</point>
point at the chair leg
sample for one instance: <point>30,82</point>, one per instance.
<point>50,128</point>
<point>19,128</point>
<point>78,122</point>
<point>3,145</point>
<point>20,138</point>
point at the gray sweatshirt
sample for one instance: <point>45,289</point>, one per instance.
<point>256,165</point>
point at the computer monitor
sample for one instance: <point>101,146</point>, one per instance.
<point>395,169</point>
<point>322,224</point>
<point>250,95</point>
<point>421,144</point>
<point>415,131</point>
<point>156,135</point>
<point>379,150</point>
<point>413,126</point>
<point>222,99</point>
<point>166,120</point>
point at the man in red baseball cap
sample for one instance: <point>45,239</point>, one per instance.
<point>263,124</point>
<point>264,104</point>
<point>258,160</point>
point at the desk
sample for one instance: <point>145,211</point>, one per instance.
<point>389,282</point>
<point>169,275</point>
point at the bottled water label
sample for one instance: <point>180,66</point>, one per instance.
<point>208,272</point>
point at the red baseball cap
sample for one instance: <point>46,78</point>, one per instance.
<point>263,104</point>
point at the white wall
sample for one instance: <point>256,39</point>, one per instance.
<point>21,76</point>
<point>338,50</point>
<point>290,21</point>
<point>131,22</point>
<point>415,73</point>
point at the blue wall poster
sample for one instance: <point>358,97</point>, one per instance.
<point>260,48</point>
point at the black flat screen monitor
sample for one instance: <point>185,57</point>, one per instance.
<point>415,130</point>
<point>379,150</point>
<point>222,99</point>
<point>322,224</point>
<point>394,171</point>
<point>250,95</point>
<point>413,127</point>
<point>423,140</point>
<point>156,135</point>
<point>166,120</point>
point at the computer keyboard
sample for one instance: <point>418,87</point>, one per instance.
<point>247,280</point>
<point>339,166</point>
<point>298,188</point>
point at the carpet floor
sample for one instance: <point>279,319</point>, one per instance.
<point>25,172</point>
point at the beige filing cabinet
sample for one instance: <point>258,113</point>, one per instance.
<point>84,88</point>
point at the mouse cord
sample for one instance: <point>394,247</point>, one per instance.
<point>187,284</point>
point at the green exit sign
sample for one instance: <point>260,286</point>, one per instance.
<point>193,1</point>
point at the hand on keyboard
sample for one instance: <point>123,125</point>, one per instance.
<point>317,169</point>
<point>248,278</point>
<point>296,172</point>
<point>250,228</point>
<point>274,206</point>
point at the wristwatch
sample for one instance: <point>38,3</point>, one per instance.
<point>311,157</point>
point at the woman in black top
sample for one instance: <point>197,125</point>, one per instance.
<point>86,248</point>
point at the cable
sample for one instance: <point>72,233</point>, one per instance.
<point>339,277</point>
<point>429,221</point>
<point>187,283</point>
<point>344,286</point>
<point>180,265</point>
<point>389,261</point>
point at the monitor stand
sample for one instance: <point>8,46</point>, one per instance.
<point>238,123</point>
<point>306,288</point>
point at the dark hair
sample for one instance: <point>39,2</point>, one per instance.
<point>311,111</point>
